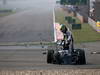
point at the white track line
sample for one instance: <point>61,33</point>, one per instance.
<point>55,37</point>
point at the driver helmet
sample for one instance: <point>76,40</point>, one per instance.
<point>63,28</point>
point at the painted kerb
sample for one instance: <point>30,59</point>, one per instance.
<point>55,39</point>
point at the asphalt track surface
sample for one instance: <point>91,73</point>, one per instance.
<point>34,24</point>
<point>31,58</point>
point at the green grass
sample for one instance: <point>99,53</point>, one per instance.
<point>86,34</point>
<point>77,20</point>
<point>26,43</point>
<point>6,13</point>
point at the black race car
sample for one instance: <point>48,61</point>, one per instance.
<point>67,57</point>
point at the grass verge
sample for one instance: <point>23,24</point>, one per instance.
<point>86,34</point>
<point>26,43</point>
<point>2,14</point>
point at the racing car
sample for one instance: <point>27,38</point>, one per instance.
<point>66,57</point>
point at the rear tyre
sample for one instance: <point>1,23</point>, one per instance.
<point>81,57</point>
<point>50,56</point>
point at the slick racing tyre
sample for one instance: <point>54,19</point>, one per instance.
<point>57,58</point>
<point>50,56</point>
<point>81,57</point>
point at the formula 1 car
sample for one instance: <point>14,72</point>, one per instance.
<point>66,57</point>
